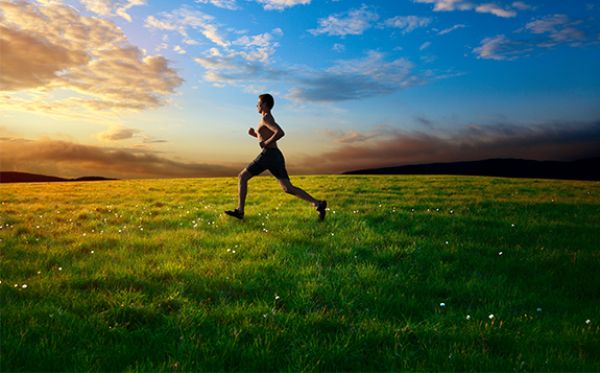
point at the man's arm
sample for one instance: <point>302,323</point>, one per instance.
<point>277,131</point>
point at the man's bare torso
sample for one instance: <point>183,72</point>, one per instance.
<point>265,133</point>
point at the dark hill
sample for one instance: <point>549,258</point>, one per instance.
<point>585,169</point>
<point>23,177</point>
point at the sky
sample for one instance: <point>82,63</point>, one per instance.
<point>156,89</point>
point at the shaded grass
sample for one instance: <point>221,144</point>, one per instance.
<point>150,275</point>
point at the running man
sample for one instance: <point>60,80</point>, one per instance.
<point>271,158</point>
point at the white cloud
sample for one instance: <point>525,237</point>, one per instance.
<point>182,20</point>
<point>46,48</point>
<point>353,79</point>
<point>549,32</point>
<point>257,47</point>
<point>281,4</point>
<point>225,4</point>
<point>501,48</point>
<point>407,23</point>
<point>109,8</point>
<point>520,5</point>
<point>559,29</point>
<point>337,47</point>
<point>425,45</point>
<point>450,29</point>
<point>464,5</point>
<point>353,22</point>
<point>244,62</point>
<point>448,5</point>
<point>495,10</point>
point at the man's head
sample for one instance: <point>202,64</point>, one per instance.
<point>265,103</point>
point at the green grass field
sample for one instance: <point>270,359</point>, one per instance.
<point>435,273</point>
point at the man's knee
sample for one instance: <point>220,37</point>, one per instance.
<point>244,175</point>
<point>289,189</point>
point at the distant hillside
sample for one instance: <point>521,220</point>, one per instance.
<point>585,169</point>
<point>23,177</point>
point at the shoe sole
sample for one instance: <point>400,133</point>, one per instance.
<point>322,211</point>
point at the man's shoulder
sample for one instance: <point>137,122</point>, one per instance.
<point>269,119</point>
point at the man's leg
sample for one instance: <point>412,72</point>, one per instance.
<point>243,178</point>
<point>287,187</point>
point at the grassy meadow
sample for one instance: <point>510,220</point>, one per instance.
<point>436,273</point>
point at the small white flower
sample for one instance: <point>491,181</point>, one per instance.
<point>24,286</point>
<point>60,268</point>
<point>468,317</point>
<point>500,253</point>
<point>277,297</point>
<point>491,316</point>
<point>588,321</point>
<point>442,304</point>
<point>91,252</point>
<point>446,242</point>
<point>512,225</point>
<point>539,309</point>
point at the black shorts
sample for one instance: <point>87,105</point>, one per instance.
<point>269,159</point>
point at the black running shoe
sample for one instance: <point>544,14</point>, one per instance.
<point>321,209</point>
<point>235,213</point>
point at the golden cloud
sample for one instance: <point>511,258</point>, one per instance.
<point>49,47</point>
<point>69,159</point>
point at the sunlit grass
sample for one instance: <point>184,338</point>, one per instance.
<point>406,273</point>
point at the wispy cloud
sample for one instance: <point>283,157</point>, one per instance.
<point>52,47</point>
<point>348,79</point>
<point>225,4</point>
<point>558,28</point>
<point>184,19</point>
<point>108,8</point>
<point>281,4</point>
<point>451,29</point>
<point>507,11</point>
<point>502,48</point>
<point>496,10</point>
<point>545,32</point>
<point>70,159</point>
<point>352,22</point>
<point>118,132</point>
<point>548,141</point>
<point>244,62</point>
<point>407,23</point>
<point>354,79</point>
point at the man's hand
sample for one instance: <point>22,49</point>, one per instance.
<point>252,132</point>
<point>262,144</point>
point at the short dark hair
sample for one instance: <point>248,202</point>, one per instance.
<point>268,99</point>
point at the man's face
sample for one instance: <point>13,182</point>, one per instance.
<point>261,106</point>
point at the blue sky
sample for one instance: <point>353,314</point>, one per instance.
<point>142,88</point>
